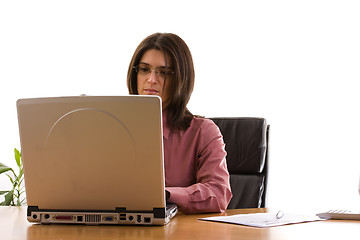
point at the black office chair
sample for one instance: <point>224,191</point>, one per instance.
<point>246,144</point>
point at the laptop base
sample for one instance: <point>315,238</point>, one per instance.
<point>159,216</point>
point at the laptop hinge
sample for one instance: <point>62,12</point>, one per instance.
<point>159,212</point>
<point>32,208</point>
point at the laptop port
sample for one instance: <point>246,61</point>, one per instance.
<point>79,218</point>
<point>46,216</point>
<point>108,219</point>
<point>63,218</point>
<point>138,218</point>
<point>147,219</point>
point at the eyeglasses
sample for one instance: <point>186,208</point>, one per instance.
<point>162,72</point>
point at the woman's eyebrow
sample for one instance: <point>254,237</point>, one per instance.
<point>152,66</point>
<point>144,63</point>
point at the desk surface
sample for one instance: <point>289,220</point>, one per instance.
<point>13,225</point>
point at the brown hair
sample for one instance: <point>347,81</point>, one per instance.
<point>181,84</point>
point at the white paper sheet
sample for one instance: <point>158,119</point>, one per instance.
<point>264,219</point>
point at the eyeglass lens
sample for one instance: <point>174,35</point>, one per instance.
<point>145,69</point>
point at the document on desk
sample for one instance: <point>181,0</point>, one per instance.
<point>264,219</point>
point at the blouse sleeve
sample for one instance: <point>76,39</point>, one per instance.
<point>211,192</point>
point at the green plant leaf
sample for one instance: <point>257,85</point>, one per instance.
<point>18,157</point>
<point>9,198</point>
<point>11,180</point>
<point>3,192</point>
<point>4,168</point>
<point>19,178</point>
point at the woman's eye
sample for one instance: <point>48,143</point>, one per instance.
<point>144,69</point>
<point>165,72</point>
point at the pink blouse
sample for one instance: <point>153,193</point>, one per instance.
<point>195,167</point>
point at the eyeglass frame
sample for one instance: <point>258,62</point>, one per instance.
<point>157,70</point>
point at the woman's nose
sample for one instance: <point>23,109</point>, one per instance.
<point>153,77</point>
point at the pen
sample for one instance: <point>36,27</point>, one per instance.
<point>279,214</point>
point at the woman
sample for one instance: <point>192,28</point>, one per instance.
<point>196,176</point>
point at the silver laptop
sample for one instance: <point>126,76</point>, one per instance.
<point>94,160</point>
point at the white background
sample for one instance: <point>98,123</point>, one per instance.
<point>296,63</point>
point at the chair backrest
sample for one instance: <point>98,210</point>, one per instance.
<point>246,144</point>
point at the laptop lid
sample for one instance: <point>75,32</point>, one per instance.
<point>93,154</point>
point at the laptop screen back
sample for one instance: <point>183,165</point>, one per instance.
<point>92,153</point>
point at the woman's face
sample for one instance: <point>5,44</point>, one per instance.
<point>151,74</point>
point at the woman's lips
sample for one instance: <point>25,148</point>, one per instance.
<point>151,91</point>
